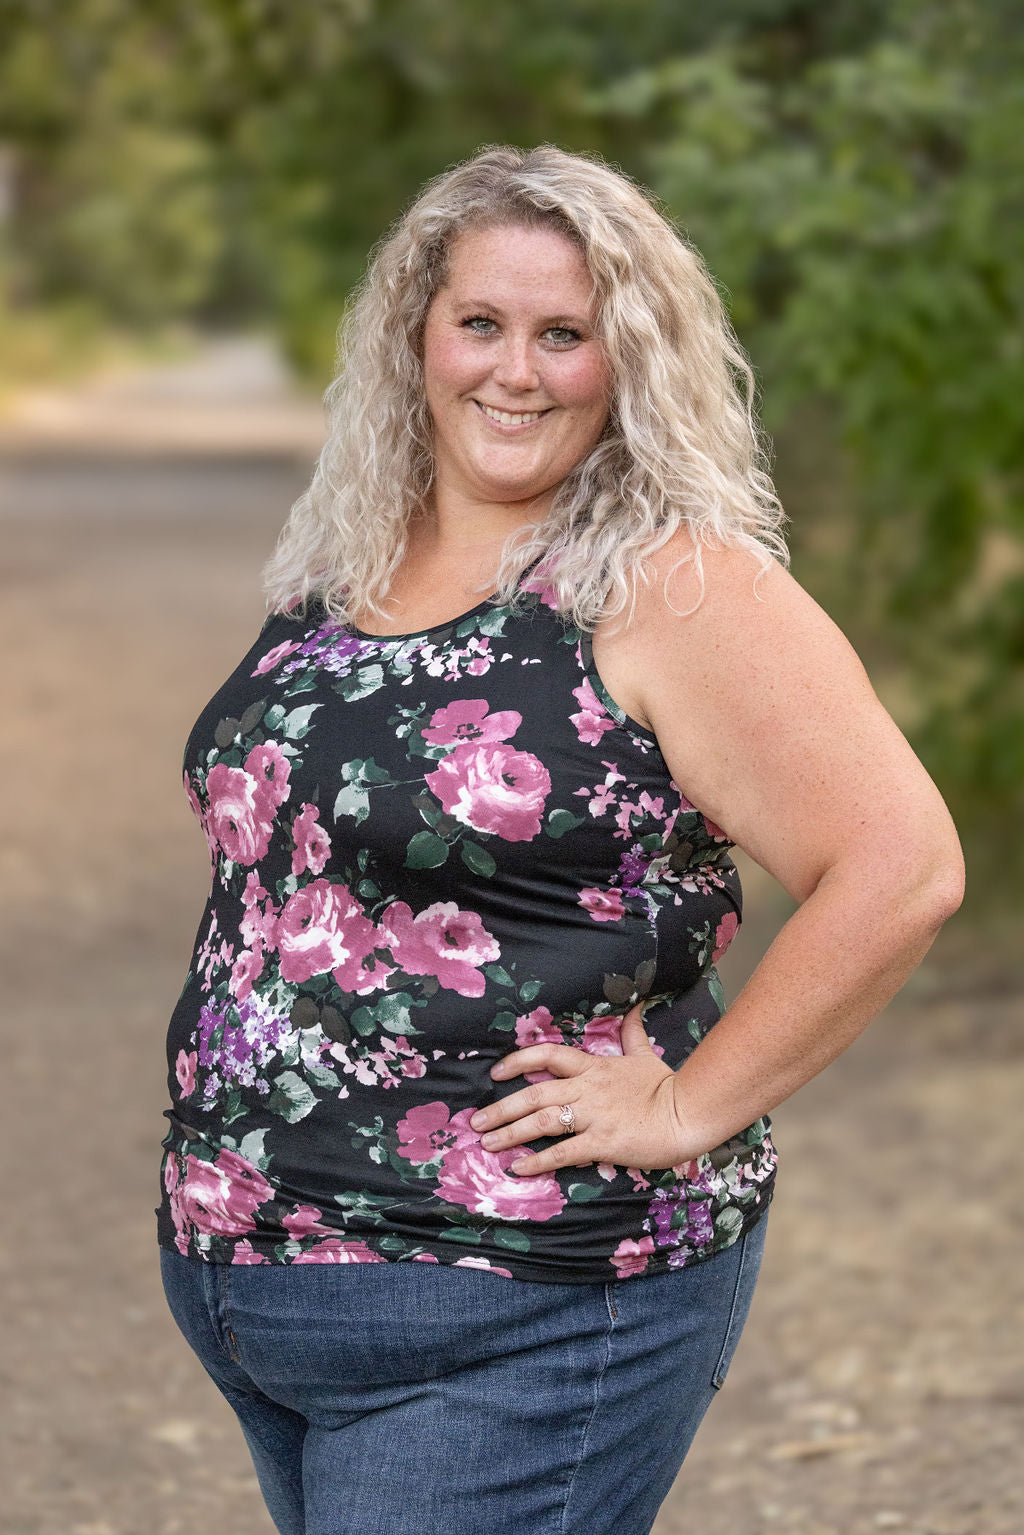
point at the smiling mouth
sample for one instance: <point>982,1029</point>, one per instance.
<point>511,418</point>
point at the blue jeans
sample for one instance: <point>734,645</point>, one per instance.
<point>426,1399</point>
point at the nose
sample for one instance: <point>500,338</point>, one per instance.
<point>516,367</point>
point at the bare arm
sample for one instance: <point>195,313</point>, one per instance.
<point>769,724</point>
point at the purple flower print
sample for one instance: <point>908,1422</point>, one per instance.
<point>243,1048</point>
<point>492,787</point>
<point>468,720</point>
<point>442,941</point>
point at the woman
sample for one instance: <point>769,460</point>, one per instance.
<point>450,1040</point>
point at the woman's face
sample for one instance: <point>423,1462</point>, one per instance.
<point>511,335</point>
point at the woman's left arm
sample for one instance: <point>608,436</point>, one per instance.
<point>769,724</point>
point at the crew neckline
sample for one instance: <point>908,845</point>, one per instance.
<point>413,634</point>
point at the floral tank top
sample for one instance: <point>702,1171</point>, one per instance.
<point>428,850</point>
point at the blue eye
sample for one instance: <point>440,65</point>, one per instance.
<point>474,321</point>
<point>565,336</point>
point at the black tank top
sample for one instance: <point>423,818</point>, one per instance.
<point>427,850</point>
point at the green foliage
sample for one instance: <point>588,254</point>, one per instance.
<point>853,173</point>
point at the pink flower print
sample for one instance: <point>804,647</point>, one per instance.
<point>312,845</point>
<point>593,719</point>
<point>197,811</point>
<point>238,814</point>
<point>303,1221</point>
<point>603,905</point>
<point>537,1028</point>
<point>185,1070</point>
<point>442,941</point>
<point>424,1258</point>
<point>470,1262</point>
<point>601,1036</point>
<point>244,1252</point>
<point>714,831</point>
<point>218,1198</point>
<point>631,1257</point>
<point>478,1180</point>
<point>724,935</point>
<point>270,660</point>
<point>492,787</point>
<point>333,1250</point>
<point>426,1132</point>
<point>271,769</point>
<point>362,970</point>
<point>320,927</point>
<point>258,924</point>
<point>468,720</point>
<point>246,970</point>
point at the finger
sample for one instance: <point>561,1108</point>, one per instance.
<point>573,1151</point>
<point>560,1060</point>
<point>528,1100</point>
<point>530,1128</point>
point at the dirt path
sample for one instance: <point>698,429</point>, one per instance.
<point>879,1385</point>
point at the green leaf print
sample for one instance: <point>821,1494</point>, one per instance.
<point>716,989</point>
<point>362,682</point>
<point>352,800</point>
<point>251,1148</point>
<point>561,821</point>
<point>393,1013</point>
<point>478,859</point>
<point>461,1234</point>
<point>425,851</point>
<point>292,1098</point>
<point>504,1021</point>
<point>728,1223</point>
<point>582,1193</point>
<point>498,974</point>
<point>296,724</point>
<point>518,1241</point>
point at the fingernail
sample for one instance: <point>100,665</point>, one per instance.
<point>478,1119</point>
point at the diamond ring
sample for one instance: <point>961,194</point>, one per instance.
<point>567,1118</point>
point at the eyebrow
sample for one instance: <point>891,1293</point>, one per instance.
<point>579,322</point>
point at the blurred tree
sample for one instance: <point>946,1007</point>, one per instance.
<point>865,214</point>
<point>852,173</point>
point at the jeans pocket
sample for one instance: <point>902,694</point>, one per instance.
<point>751,1247</point>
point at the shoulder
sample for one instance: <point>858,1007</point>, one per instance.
<point>747,618</point>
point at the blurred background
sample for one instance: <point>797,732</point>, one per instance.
<point>188,191</point>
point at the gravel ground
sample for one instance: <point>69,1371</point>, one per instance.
<point>879,1384</point>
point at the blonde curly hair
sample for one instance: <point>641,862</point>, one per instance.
<point>681,446</point>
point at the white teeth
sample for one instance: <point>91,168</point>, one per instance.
<point>508,420</point>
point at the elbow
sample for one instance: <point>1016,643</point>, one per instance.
<point>941,894</point>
